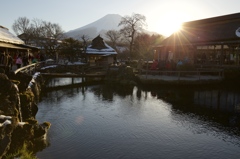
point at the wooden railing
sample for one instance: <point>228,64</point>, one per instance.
<point>30,69</point>
<point>200,74</point>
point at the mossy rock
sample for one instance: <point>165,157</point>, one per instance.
<point>15,82</point>
<point>47,124</point>
<point>26,97</point>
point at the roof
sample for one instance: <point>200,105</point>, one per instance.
<point>7,37</point>
<point>8,40</point>
<point>12,46</point>
<point>99,47</point>
<point>222,29</point>
<point>108,50</point>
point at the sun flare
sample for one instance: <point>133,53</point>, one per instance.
<point>170,22</point>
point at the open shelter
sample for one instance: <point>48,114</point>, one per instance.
<point>211,41</point>
<point>11,44</point>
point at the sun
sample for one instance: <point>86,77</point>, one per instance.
<point>170,22</point>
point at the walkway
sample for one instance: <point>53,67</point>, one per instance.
<point>176,78</point>
<point>181,77</point>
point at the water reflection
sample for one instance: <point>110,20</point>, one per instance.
<point>134,122</point>
<point>63,81</point>
<point>107,92</point>
<point>221,105</point>
<point>218,100</point>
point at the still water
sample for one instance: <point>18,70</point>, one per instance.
<point>103,122</point>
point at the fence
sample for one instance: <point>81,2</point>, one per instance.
<point>180,75</point>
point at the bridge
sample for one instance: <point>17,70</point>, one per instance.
<point>146,76</point>
<point>73,75</point>
<point>86,77</point>
<point>29,69</point>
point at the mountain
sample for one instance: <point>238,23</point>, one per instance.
<point>101,26</point>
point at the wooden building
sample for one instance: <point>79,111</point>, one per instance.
<point>99,53</point>
<point>11,44</point>
<point>213,41</point>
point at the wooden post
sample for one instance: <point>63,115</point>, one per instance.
<point>29,71</point>
<point>72,80</point>
<point>35,68</point>
<point>222,73</point>
<point>221,56</point>
<point>147,70</point>
<point>236,58</point>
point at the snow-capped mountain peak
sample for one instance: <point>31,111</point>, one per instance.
<point>108,22</point>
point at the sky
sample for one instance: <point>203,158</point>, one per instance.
<point>162,16</point>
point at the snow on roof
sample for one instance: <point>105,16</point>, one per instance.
<point>7,37</point>
<point>109,50</point>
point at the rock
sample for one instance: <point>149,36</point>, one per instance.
<point>18,98</point>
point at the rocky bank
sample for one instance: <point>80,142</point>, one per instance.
<point>19,95</point>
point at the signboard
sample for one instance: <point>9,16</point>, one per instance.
<point>238,32</point>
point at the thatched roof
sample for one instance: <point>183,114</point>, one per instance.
<point>99,47</point>
<point>9,40</point>
<point>8,37</point>
<point>97,43</point>
<point>216,30</point>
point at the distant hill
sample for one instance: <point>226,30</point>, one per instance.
<point>101,26</point>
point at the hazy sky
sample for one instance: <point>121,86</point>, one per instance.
<point>162,16</point>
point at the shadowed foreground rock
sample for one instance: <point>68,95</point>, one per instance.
<point>18,125</point>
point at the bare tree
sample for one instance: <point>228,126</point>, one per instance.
<point>37,29</point>
<point>144,45</point>
<point>21,25</point>
<point>131,25</point>
<point>45,35</point>
<point>114,37</point>
<point>52,30</point>
<point>85,40</point>
<point>71,48</point>
<point>51,34</point>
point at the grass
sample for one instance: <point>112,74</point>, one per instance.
<point>23,153</point>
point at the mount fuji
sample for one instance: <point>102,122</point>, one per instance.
<point>101,26</point>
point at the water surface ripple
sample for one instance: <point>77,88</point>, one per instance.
<point>102,123</point>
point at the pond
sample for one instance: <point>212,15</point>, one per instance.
<point>101,122</point>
